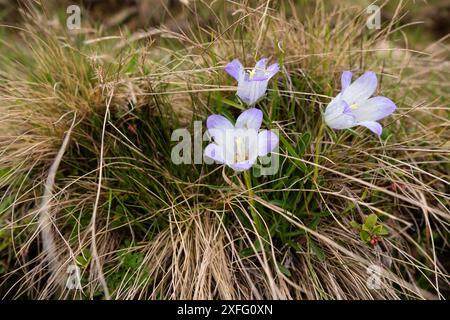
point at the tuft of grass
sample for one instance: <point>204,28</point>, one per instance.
<point>138,226</point>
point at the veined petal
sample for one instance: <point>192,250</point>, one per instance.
<point>261,64</point>
<point>272,70</point>
<point>338,114</point>
<point>214,152</point>
<point>242,166</point>
<point>249,119</point>
<point>374,109</point>
<point>235,69</point>
<point>260,71</point>
<point>259,78</point>
<point>373,126</point>
<point>346,79</point>
<point>335,106</point>
<point>216,121</point>
<point>342,121</point>
<point>251,91</point>
<point>267,141</point>
<point>218,127</point>
<point>361,89</point>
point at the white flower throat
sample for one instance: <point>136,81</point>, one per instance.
<point>354,106</point>
<point>252,72</point>
<point>241,151</point>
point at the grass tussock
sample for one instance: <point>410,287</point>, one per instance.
<point>86,176</point>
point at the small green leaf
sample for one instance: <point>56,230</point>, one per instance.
<point>380,230</point>
<point>284,270</point>
<point>355,225</point>
<point>247,252</point>
<point>84,259</point>
<point>233,104</point>
<point>371,220</point>
<point>364,235</point>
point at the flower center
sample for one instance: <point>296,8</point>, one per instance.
<point>354,106</point>
<point>252,73</point>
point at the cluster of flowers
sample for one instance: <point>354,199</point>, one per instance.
<point>238,146</point>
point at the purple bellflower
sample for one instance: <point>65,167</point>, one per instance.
<point>251,85</point>
<point>353,106</point>
<point>238,146</point>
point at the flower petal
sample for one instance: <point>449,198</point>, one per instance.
<point>242,166</point>
<point>250,119</point>
<point>267,141</point>
<point>342,121</point>
<point>218,127</point>
<point>260,71</point>
<point>361,89</point>
<point>259,77</point>
<point>373,126</point>
<point>261,64</point>
<point>235,69</point>
<point>214,152</point>
<point>272,70</point>
<point>346,79</point>
<point>374,109</point>
<point>216,121</point>
<point>251,91</point>
<point>338,114</point>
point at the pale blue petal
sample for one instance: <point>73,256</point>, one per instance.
<point>260,71</point>
<point>251,91</point>
<point>338,115</point>
<point>374,109</point>
<point>335,106</point>
<point>373,126</point>
<point>342,121</point>
<point>361,89</point>
<point>346,79</point>
<point>267,141</point>
<point>249,119</point>
<point>235,69</point>
<point>242,166</point>
<point>261,64</point>
<point>216,121</point>
<point>272,70</point>
<point>214,152</point>
<point>258,77</point>
<point>218,127</point>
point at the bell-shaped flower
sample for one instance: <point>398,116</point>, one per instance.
<point>238,146</point>
<point>353,106</point>
<point>251,85</point>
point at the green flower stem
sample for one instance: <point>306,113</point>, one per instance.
<point>248,183</point>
